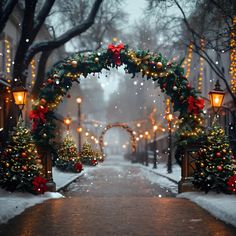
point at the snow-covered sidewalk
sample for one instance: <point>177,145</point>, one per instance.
<point>221,206</point>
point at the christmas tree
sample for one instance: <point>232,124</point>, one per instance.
<point>20,165</point>
<point>87,155</point>
<point>68,159</point>
<point>99,156</point>
<point>214,165</point>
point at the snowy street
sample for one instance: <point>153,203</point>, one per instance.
<point>117,198</point>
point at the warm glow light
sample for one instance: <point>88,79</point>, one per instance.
<point>78,100</point>
<point>67,121</point>
<point>124,146</point>
<point>139,125</point>
<point>87,134</point>
<point>19,95</point>
<point>146,133</point>
<point>105,143</point>
<point>155,127</point>
<point>79,129</point>
<point>216,96</point>
<point>169,117</point>
<point>140,136</point>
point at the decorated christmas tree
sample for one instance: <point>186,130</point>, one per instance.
<point>68,159</point>
<point>20,165</point>
<point>87,155</point>
<point>99,156</point>
<point>214,165</point>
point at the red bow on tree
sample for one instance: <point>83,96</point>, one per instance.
<point>116,52</point>
<point>195,105</point>
<point>38,114</point>
<point>231,183</point>
<point>39,184</point>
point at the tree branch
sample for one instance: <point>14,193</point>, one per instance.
<point>6,12</point>
<point>43,46</point>
<point>42,15</point>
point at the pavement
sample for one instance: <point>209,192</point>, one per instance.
<point>116,200</point>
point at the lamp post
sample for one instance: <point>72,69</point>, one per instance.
<point>216,97</point>
<point>146,147</point>
<point>19,95</point>
<point>155,148</point>
<point>79,129</point>
<point>67,122</point>
<point>169,160</point>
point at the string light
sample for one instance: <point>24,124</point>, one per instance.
<point>8,63</point>
<point>233,56</point>
<point>200,79</point>
<point>33,71</point>
<point>188,60</point>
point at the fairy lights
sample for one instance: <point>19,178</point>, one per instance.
<point>7,52</point>
<point>233,56</point>
<point>200,79</point>
<point>33,71</point>
<point>187,62</point>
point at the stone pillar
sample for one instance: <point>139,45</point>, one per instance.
<point>187,169</point>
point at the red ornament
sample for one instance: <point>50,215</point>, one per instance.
<point>218,154</point>
<point>115,50</point>
<point>50,81</point>
<point>43,101</point>
<point>68,96</point>
<point>24,168</point>
<point>23,154</point>
<point>219,168</point>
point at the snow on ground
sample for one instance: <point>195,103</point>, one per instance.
<point>12,204</point>
<point>221,206</point>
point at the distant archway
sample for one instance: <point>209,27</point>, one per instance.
<point>119,125</point>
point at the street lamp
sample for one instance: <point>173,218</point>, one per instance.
<point>67,122</point>
<point>169,118</point>
<point>216,97</point>
<point>155,147</point>
<point>19,95</point>
<point>79,101</point>
<point>146,146</point>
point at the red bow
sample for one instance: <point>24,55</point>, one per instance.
<point>116,52</point>
<point>38,114</point>
<point>195,105</point>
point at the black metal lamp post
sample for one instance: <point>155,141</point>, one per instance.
<point>67,122</point>
<point>79,129</point>
<point>169,160</point>
<point>155,148</point>
<point>146,147</point>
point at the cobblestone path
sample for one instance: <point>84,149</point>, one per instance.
<point>115,199</point>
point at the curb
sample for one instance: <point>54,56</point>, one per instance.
<point>150,170</point>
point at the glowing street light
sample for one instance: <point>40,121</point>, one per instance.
<point>19,95</point>
<point>79,129</point>
<point>155,127</point>
<point>67,122</point>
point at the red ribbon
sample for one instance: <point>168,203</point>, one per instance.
<point>38,114</point>
<point>195,105</point>
<point>116,52</point>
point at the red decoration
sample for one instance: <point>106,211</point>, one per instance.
<point>24,168</point>
<point>38,115</point>
<point>218,154</point>
<point>116,52</point>
<point>68,96</point>
<point>94,162</point>
<point>23,154</point>
<point>219,168</point>
<point>39,184</point>
<point>195,105</point>
<point>78,166</point>
<point>43,101</point>
<point>50,81</point>
<point>231,183</point>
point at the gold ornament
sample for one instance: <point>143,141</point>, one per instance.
<point>159,65</point>
<point>96,59</point>
<point>74,64</point>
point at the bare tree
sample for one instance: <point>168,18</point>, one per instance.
<point>199,25</point>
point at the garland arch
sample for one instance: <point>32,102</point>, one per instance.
<point>119,125</point>
<point>167,74</point>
